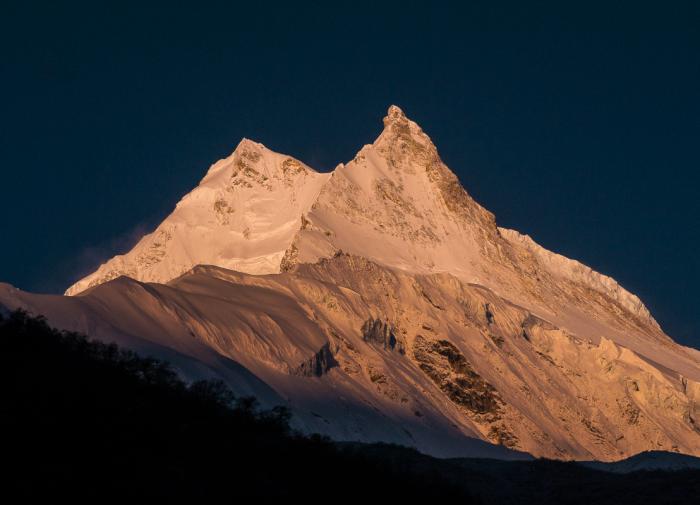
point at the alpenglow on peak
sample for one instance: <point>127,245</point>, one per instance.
<point>396,203</point>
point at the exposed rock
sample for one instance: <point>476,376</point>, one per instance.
<point>289,260</point>
<point>317,365</point>
<point>489,315</point>
<point>381,332</point>
<point>499,434</point>
<point>451,372</point>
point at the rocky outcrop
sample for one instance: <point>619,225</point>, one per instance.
<point>318,364</point>
<point>377,331</point>
<point>451,372</point>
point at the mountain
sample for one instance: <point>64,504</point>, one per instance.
<point>242,216</point>
<point>647,462</point>
<point>380,302</point>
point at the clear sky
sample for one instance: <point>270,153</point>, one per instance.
<point>578,127</point>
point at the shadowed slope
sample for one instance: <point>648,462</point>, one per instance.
<point>85,421</point>
<point>366,353</point>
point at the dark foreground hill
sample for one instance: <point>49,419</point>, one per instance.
<point>88,421</point>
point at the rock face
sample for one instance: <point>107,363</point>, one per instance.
<point>381,302</point>
<point>382,333</point>
<point>319,364</point>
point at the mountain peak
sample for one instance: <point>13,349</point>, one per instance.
<point>394,113</point>
<point>402,137</point>
<point>397,122</point>
<point>247,143</point>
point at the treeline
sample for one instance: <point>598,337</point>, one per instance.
<point>85,421</point>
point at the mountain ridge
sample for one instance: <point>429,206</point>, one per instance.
<point>400,138</point>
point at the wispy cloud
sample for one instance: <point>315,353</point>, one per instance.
<point>86,260</point>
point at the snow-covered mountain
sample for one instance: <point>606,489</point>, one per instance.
<point>381,302</point>
<point>243,216</point>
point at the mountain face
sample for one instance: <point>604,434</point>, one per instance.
<point>242,216</point>
<point>382,303</point>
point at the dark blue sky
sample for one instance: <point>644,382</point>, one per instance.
<point>578,127</point>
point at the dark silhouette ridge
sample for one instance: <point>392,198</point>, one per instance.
<point>82,420</point>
